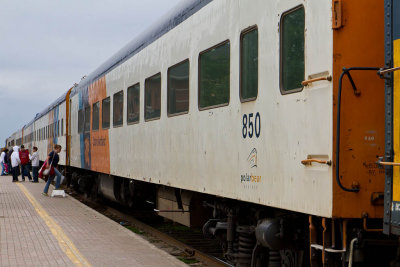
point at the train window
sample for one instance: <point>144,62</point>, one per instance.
<point>249,64</point>
<point>96,116</point>
<point>58,128</point>
<point>62,127</point>
<point>292,50</point>
<point>133,103</point>
<point>118,109</point>
<point>105,113</point>
<point>178,88</point>
<point>81,120</point>
<point>152,96</point>
<point>87,120</point>
<point>214,75</point>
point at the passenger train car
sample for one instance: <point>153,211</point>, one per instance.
<point>234,116</point>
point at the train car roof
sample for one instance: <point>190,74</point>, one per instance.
<point>184,10</point>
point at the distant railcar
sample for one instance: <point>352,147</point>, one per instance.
<point>239,113</point>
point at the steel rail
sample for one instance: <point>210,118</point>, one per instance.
<point>200,256</point>
<point>208,260</point>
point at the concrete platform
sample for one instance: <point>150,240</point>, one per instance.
<point>36,230</point>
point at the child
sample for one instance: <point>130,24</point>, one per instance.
<point>35,164</point>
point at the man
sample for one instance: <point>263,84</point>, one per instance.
<point>35,164</point>
<point>15,161</point>
<point>24,157</point>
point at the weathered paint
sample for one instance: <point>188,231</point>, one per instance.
<point>99,140</point>
<point>360,43</point>
<point>204,151</point>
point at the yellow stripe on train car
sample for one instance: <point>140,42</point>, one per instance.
<point>396,120</point>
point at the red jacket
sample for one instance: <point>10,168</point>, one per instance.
<point>24,156</point>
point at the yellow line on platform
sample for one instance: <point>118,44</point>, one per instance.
<point>65,243</point>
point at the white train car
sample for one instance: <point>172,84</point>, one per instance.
<point>233,147</point>
<point>11,141</point>
<point>49,129</point>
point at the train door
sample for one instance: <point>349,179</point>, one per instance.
<point>391,159</point>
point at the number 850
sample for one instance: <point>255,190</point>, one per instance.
<point>250,128</point>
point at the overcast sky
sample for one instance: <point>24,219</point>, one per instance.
<point>48,45</point>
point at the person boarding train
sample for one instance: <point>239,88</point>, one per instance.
<point>52,162</point>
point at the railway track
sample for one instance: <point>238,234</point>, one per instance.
<point>187,245</point>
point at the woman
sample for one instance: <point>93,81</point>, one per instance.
<point>52,161</point>
<point>5,162</point>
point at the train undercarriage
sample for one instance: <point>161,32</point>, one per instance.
<point>252,235</point>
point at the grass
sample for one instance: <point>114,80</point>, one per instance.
<point>135,230</point>
<point>188,260</point>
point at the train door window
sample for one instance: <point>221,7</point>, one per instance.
<point>292,50</point>
<point>58,128</point>
<point>249,64</point>
<point>87,120</point>
<point>118,109</point>
<point>96,116</point>
<point>214,75</point>
<point>133,104</point>
<point>81,120</point>
<point>105,113</point>
<point>152,97</point>
<point>62,127</point>
<point>178,88</point>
